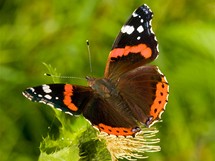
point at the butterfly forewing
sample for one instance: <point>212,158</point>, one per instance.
<point>69,98</point>
<point>134,46</point>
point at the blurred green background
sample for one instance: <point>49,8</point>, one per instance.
<point>54,32</point>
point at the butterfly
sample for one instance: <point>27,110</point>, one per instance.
<point>131,94</point>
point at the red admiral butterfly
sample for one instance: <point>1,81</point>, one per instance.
<point>131,93</point>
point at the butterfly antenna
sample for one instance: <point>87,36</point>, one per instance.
<point>90,62</point>
<point>65,77</point>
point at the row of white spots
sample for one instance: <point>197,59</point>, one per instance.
<point>130,29</point>
<point>52,105</point>
<point>140,29</point>
<point>46,89</point>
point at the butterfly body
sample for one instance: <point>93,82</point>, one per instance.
<point>102,87</point>
<point>131,93</point>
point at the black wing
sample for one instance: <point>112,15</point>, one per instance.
<point>69,98</point>
<point>135,45</point>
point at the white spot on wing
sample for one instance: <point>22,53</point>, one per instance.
<point>46,88</point>
<point>50,104</point>
<point>134,14</point>
<point>48,96</point>
<point>127,29</point>
<point>157,47</point>
<point>39,95</point>
<point>32,89</point>
<point>140,29</point>
<point>138,38</point>
<point>43,101</point>
<point>150,22</point>
<point>59,109</point>
<point>159,71</point>
<point>67,112</point>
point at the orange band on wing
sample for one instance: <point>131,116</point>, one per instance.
<point>160,99</point>
<point>117,131</point>
<point>68,92</point>
<point>145,51</point>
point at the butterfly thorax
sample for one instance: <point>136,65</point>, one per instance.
<point>102,86</point>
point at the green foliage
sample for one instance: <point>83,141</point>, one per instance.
<point>76,141</point>
<point>55,32</point>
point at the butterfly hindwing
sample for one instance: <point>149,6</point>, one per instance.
<point>106,116</point>
<point>145,89</point>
